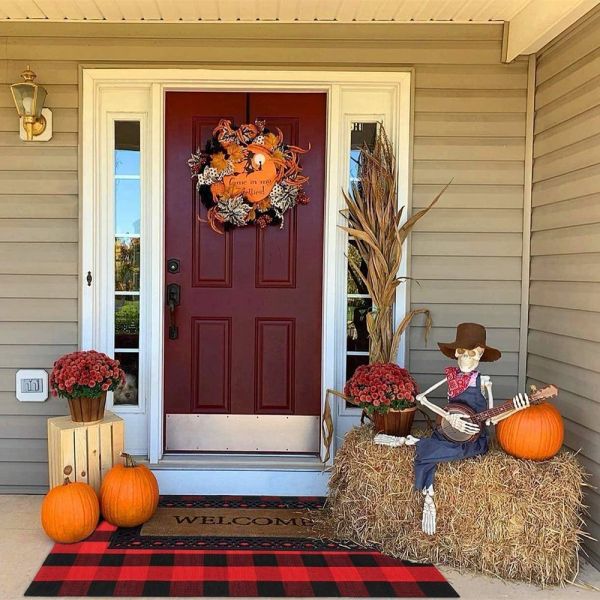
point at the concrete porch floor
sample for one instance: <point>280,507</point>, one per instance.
<point>24,546</point>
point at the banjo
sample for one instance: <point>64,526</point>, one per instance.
<point>453,435</point>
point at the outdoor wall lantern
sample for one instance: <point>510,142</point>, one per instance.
<point>29,97</point>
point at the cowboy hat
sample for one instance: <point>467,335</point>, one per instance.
<point>469,336</point>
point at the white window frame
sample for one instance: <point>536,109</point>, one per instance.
<point>139,94</point>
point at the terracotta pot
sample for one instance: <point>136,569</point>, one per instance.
<point>87,410</point>
<point>394,422</point>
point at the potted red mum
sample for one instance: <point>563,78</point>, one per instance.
<point>386,393</point>
<point>84,378</point>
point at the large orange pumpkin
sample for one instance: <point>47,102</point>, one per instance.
<point>70,512</point>
<point>535,433</point>
<point>129,494</point>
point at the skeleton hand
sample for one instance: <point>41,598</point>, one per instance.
<point>429,512</point>
<point>521,401</point>
<point>456,421</point>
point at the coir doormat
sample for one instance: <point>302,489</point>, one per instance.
<point>207,562</point>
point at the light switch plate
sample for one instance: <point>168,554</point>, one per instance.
<point>32,385</point>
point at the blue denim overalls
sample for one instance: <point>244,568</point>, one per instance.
<point>436,449</point>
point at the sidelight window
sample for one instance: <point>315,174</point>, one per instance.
<point>127,221</point>
<point>358,301</point>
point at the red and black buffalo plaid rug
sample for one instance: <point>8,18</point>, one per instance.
<point>123,562</point>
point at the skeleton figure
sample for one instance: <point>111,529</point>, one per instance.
<point>467,386</point>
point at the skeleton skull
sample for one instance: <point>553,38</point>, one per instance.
<point>468,360</point>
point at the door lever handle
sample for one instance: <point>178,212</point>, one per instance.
<point>173,300</point>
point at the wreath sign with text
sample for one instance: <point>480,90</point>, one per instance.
<point>248,175</point>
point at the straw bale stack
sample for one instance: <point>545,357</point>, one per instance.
<point>496,515</point>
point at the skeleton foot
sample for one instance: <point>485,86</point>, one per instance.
<point>428,522</point>
<point>394,441</point>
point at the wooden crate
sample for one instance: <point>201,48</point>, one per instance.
<point>89,449</point>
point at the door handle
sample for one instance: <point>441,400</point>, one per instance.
<point>173,300</point>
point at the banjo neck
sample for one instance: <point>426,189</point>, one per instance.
<point>537,397</point>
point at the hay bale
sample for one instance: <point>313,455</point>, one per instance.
<point>497,515</point>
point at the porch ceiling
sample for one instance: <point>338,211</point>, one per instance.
<point>479,11</point>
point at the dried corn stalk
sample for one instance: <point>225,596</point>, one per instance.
<point>373,220</point>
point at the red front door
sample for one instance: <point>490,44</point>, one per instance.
<point>244,373</point>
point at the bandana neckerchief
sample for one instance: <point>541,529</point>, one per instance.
<point>458,381</point>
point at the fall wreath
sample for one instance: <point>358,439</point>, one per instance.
<point>248,175</point>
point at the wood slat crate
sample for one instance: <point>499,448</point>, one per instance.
<point>90,449</point>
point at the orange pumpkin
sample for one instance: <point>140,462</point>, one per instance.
<point>70,512</point>
<point>535,433</point>
<point>129,494</point>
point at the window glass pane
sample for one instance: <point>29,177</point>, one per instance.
<point>127,148</point>
<point>355,283</point>
<point>127,393</point>
<point>361,134</point>
<point>127,321</point>
<point>127,264</point>
<point>127,206</point>
<point>357,335</point>
<point>353,361</point>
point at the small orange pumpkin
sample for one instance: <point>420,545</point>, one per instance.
<point>535,433</point>
<point>70,512</point>
<point>129,494</point>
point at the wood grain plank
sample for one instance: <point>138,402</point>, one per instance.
<point>469,196</point>
<point>448,315</point>
<point>584,153</point>
<point>469,124</point>
<point>466,292</point>
<point>40,286</point>
<point>21,158</point>
<point>471,268</point>
<point>20,258</point>
<point>264,50</point>
<point>32,357</point>
<point>466,244</point>
<point>567,133</point>
<point>465,148</point>
<point>10,406</point>
<point>566,349</point>
<point>570,240</point>
<point>493,77</point>
<point>19,206</point>
<point>569,378</point>
<point>579,183</point>
<point>579,267</point>
<point>566,294</point>
<point>570,213</point>
<point>42,182</point>
<point>23,450</point>
<point>37,310</point>
<point>39,230</point>
<point>456,219</point>
<point>37,333</point>
<point>470,100</point>
<point>560,321</point>
<point>573,76</point>
<point>566,107</point>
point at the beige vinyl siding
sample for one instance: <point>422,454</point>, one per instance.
<point>466,253</point>
<point>564,320</point>
<point>469,125</point>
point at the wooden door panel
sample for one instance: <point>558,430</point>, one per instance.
<point>211,364</point>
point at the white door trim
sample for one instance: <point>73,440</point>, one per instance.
<point>351,96</point>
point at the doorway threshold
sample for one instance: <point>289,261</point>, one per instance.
<point>237,462</point>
